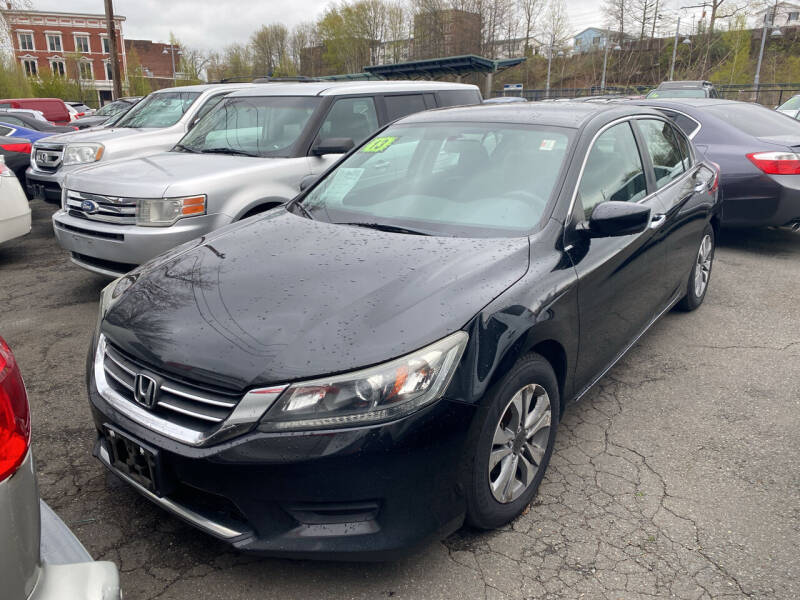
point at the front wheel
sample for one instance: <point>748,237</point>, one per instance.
<point>701,272</point>
<point>514,444</point>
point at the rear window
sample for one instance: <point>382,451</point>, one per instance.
<point>459,97</point>
<point>695,93</point>
<point>755,120</point>
<point>791,104</point>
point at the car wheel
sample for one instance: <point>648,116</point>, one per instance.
<point>701,272</point>
<point>514,443</point>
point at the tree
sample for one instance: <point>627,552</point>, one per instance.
<point>137,82</point>
<point>270,47</point>
<point>529,11</point>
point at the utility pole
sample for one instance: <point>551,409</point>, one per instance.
<point>116,91</point>
<point>549,62</point>
<point>757,78</point>
<point>675,49</point>
<point>605,62</point>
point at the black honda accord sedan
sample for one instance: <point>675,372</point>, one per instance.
<point>757,150</point>
<point>389,355</point>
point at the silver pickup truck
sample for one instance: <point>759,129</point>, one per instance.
<point>248,155</point>
<point>153,125</point>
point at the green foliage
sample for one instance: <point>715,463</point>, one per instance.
<point>13,83</point>
<point>137,82</point>
<point>734,46</point>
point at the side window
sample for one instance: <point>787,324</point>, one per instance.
<point>687,125</point>
<point>459,97</point>
<point>613,170</point>
<point>6,130</point>
<point>353,118</point>
<point>13,121</point>
<point>210,103</point>
<point>400,106</point>
<point>686,151</point>
<point>663,149</point>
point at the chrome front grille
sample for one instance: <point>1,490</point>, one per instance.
<point>48,156</point>
<point>96,207</point>
<point>188,406</point>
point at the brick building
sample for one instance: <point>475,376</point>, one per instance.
<point>155,59</point>
<point>448,32</point>
<point>74,45</point>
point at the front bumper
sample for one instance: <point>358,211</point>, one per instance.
<point>45,184</point>
<point>366,493</point>
<point>113,250</point>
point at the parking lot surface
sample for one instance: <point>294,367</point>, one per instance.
<point>676,477</point>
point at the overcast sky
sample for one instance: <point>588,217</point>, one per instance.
<point>212,24</point>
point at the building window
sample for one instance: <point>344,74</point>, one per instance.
<point>30,67</point>
<point>85,70</point>
<point>58,68</point>
<point>54,42</point>
<point>106,46</point>
<point>596,40</point>
<point>25,41</point>
<point>82,43</point>
<point>108,70</point>
<point>794,16</point>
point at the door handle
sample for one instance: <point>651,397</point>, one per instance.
<point>657,220</point>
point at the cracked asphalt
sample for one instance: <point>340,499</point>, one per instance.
<point>678,476</point>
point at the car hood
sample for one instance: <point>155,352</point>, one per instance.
<point>103,135</point>
<point>151,176</point>
<point>280,298</point>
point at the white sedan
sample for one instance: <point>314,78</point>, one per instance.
<point>15,214</point>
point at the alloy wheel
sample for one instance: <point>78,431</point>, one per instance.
<point>519,443</point>
<point>703,268</point>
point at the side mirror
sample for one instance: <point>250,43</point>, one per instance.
<point>306,182</point>
<point>611,219</point>
<point>192,123</point>
<point>333,146</point>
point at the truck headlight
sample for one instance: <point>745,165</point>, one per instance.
<point>81,154</point>
<point>379,393</point>
<point>162,212</point>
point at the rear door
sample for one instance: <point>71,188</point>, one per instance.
<point>683,191</point>
<point>620,279</point>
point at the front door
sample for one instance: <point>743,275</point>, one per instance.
<point>620,279</point>
<point>354,118</point>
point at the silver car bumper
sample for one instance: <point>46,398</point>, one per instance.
<point>113,250</point>
<point>45,184</point>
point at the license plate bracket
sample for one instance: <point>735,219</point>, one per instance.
<point>139,461</point>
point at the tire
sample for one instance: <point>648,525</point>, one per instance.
<point>531,374</point>
<point>704,259</point>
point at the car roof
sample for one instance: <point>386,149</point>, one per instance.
<point>560,114</point>
<point>202,87</point>
<point>685,102</point>
<point>342,88</point>
<point>688,84</point>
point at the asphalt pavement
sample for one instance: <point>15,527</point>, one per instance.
<point>678,476</point>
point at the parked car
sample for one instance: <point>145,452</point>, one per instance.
<point>16,153</point>
<point>15,214</point>
<point>81,109</point>
<point>389,354</point>
<point>41,558</point>
<point>22,119</point>
<point>53,109</point>
<point>684,89</point>
<point>758,151</point>
<point>247,156</point>
<point>791,107</point>
<point>108,113</point>
<point>10,130</point>
<point>155,124</point>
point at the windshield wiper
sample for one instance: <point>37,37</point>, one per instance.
<point>385,227</point>
<point>228,151</point>
<point>186,148</point>
<point>306,212</point>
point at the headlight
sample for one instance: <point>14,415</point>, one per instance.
<point>380,393</point>
<point>162,212</point>
<point>81,154</point>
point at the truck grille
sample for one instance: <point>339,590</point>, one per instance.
<point>47,156</point>
<point>95,207</point>
<point>189,406</point>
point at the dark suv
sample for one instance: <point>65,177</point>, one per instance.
<point>684,89</point>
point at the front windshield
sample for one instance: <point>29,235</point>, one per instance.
<point>160,109</point>
<point>109,110</point>
<point>677,93</point>
<point>791,104</point>
<point>257,126</point>
<point>460,179</point>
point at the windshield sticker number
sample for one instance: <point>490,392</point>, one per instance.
<point>379,144</point>
<point>547,145</point>
<point>341,183</point>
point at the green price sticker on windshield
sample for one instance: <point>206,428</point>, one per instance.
<point>378,144</point>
